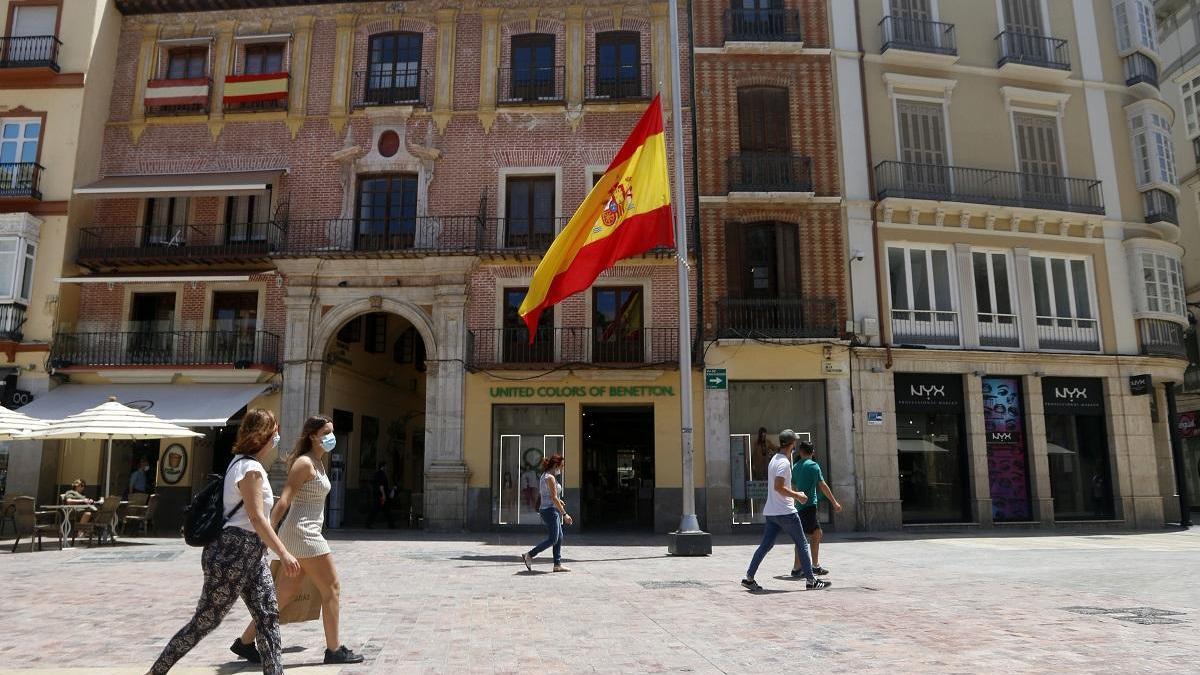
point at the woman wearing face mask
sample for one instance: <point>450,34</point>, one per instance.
<point>553,511</point>
<point>303,500</point>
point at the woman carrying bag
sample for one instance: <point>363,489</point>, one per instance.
<point>235,564</point>
<point>303,500</point>
<point>553,512</point>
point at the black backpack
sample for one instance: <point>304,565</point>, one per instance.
<point>205,517</point>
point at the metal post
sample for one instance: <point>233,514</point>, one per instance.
<point>1185,508</point>
<point>689,539</point>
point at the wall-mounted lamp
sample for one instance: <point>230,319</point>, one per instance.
<point>857,256</point>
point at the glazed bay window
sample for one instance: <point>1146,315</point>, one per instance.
<point>1162,280</point>
<point>1135,25</point>
<point>1191,105</point>
<point>1153,156</point>
<point>1065,311</point>
<point>17,256</point>
<point>922,295</point>
<point>994,299</point>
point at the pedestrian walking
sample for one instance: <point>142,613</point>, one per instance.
<point>553,512</point>
<point>235,564</point>
<point>781,516</point>
<point>303,500</point>
<point>808,478</point>
<point>381,499</point>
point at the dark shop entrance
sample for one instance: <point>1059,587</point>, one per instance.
<point>617,490</point>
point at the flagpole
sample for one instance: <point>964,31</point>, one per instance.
<point>689,539</point>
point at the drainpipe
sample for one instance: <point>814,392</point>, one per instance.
<point>1185,508</point>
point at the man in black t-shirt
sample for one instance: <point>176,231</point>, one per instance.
<point>381,500</point>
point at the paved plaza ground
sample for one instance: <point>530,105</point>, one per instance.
<point>416,603</point>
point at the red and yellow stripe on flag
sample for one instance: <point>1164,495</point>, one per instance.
<point>627,212</point>
<point>256,88</point>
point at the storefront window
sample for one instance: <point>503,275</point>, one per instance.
<point>1077,444</point>
<point>523,436</point>
<point>932,448</point>
<point>1007,452</point>
<point>1189,435</point>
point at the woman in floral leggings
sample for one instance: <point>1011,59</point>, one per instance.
<point>235,564</point>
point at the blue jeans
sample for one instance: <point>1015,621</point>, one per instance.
<point>790,524</point>
<point>554,534</point>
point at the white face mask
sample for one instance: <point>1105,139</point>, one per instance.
<point>329,442</point>
<point>275,441</point>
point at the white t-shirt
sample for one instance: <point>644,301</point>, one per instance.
<point>777,504</point>
<point>238,469</point>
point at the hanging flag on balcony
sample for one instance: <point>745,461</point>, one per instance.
<point>241,89</point>
<point>627,212</point>
<point>192,91</point>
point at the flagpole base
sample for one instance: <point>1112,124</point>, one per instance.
<point>695,543</point>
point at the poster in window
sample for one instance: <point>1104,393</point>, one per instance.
<point>1008,461</point>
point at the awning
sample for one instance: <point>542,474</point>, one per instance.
<point>188,405</point>
<point>187,184</point>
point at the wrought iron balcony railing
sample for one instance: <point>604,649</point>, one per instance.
<point>21,179</point>
<point>34,51</point>
<point>12,317</point>
<point>1160,207</point>
<point>531,85</point>
<point>399,86</point>
<point>988,186</point>
<point>237,349</point>
<point>1034,50</point>
<point>1163,338</point>
<point>1139,69</point>
<point>918,35</point>
<point>1068,334</point>
<point>117,245</point>
<point>616,345</point>
<point>778,318</point>
<point>763,25</point>
<point>770,172</point>
<point>925,327</point>
<point>999,330</point>
<point>611,82</point>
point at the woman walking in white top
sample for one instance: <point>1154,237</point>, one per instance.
<point>303,500</point>
<point>553,511</point>
<point>235,564</point>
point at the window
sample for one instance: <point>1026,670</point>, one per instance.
<point>922,143</point>
<point>375,332</point>
<point>533,70</point>
<point>1038,158</point>
<point>394,68</point>
<point>18,155</point>
<point>923,306</point>
<point>351,333</point>
<point>1135,25</point>
<point>247,218</point>
<point>264,59</point>
<point>1153,154</point>
<point>165,221</point>
<point>515,333</point>
<point>997,317</point>
<point>1162,278</point>
<point>16,269</point>
<point>387,212</point>
<point>763,119</point>
<point>1191,103</point>
<point>617,323</point>
<point>409,348</point>
<point>1062,297</point>
<point>911,23</point>
<point>763,260</point>
<point>1023,16</point>
<point>529,218</point>
<point>234,325</point>
<point>185,63</point>
<point>34,27</point>
<point>524,435</point>
<point>618,65</point>
<point>151,327</point>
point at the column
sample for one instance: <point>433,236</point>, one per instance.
<point>1135,471</point>
<point>575,48</point>
<point>1120,301</point>
<point>145,71</point>
<point>1023,269</point>
<point>717,470</point>
<point>301,57</point>
<point>880,466</point>
<point>302,382</point>
<point>842,473</point>
<point>222,61</point>
<point>1037,452</point>
<point>443,96</point>
<point>446,471</point>
<point>489,63</point>
<point>977,460</point>
<point>339,92</point>
<point>967,311</point>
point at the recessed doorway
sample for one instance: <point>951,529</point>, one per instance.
<point>617,490</point>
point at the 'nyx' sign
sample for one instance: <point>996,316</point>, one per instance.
<point>1073,396</point>
<point>920,392</point>
<point>1140,385</point>
<point>1003,437</point>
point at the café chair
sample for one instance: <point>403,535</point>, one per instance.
<point>26,522</point>
<point>142,516</point>
<point>103,522</point>
<point>8,513</point>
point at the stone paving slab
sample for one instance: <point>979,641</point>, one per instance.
<point>433,604</point>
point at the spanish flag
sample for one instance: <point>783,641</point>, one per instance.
<point>627,212</point>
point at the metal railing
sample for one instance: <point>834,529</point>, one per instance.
<point>1160,207</point>
<point>617,83</point>
<point>778,318</point>
<point>998,330</point>
<point>1068,334</point>
<point>239,349</point>
<point>1163,338</point>
<point>12,317</point>
<point>616,345</point>
<point>21,179</point>
<point>408,86</point>
<point>988,186</point>
<point>925,327</point>
<point>1191,379</point>
<point>166,109</point>
<point>427,234</point>
<point>531,85</point>
<point>178,244</point>
<point>1196,149</point>
<point>1140,68</point>
<point>31,51</point>
<point>763,25</point>
<point>1034,50</point>
<point>918,35</point>
<point>769,172</point>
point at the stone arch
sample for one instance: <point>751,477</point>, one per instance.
<point>339,315</point>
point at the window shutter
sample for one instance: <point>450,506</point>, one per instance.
<point>788,242</point>
<point>1037,144</point>
<point>913,10</point>
<point>922,136</point>
<point>1121,16</point>
<point>1023,16</point>
<point>763,119</point>
<point>735,265</point>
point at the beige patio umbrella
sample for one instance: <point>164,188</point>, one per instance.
<point>16,425</point>
<point>108,421</point>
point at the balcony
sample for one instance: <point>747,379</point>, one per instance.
<point>39,51</point>
<point>249,349</point>
<point>531,85</point>
<point>988,186</point>
<point>12,317</point>
<point>617,83</point>
<point>763,25</point>
<point>1140,69</point>
<point>1196,149</point>
<point>401,87</point>
<point>778,318</point>
<point>349,237</point>
<point>925,327</point>
<point>1034,56</point>
<point>1162,338</point>
<point>1160,207</point>
<point>108,246</point>
<point>178,97</point>
<point>256,93</point>
<point>1068,334</point>
<point>21,179</point>
<point>918,41</point>
<point>509,347</point>
<point>769,172</point>
<point>1001,331</point>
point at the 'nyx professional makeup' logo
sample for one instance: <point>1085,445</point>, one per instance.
<point>927,390</point>
<point>1071,393</point>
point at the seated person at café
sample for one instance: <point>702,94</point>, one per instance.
<point>76,496</point>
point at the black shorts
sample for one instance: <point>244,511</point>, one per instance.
<point>808,519</point>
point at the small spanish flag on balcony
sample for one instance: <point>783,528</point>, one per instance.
<point>627,212</point>
<point>241,89</point>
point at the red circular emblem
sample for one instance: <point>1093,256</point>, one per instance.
<point>389,143</point>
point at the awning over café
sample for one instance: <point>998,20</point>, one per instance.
<point>182,184</point>
<point>189,405</point>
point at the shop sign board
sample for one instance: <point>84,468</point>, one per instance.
<point>1140,385</point>
<point>1186,423</point>
<point>926,392</point>
<point>875,418</point>
<point>594,391</point>
<point>1073,395</point>
<point>716,378</point>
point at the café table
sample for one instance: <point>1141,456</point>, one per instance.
<point>65,513</point>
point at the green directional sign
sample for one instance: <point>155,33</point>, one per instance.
<point>715,378</point>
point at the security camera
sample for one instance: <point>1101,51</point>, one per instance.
<point>857,256</point>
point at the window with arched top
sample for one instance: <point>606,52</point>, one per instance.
<point>393,68</point>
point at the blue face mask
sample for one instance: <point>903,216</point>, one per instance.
<point>329,442</point>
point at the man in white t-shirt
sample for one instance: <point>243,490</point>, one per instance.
<point>780,514</point>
